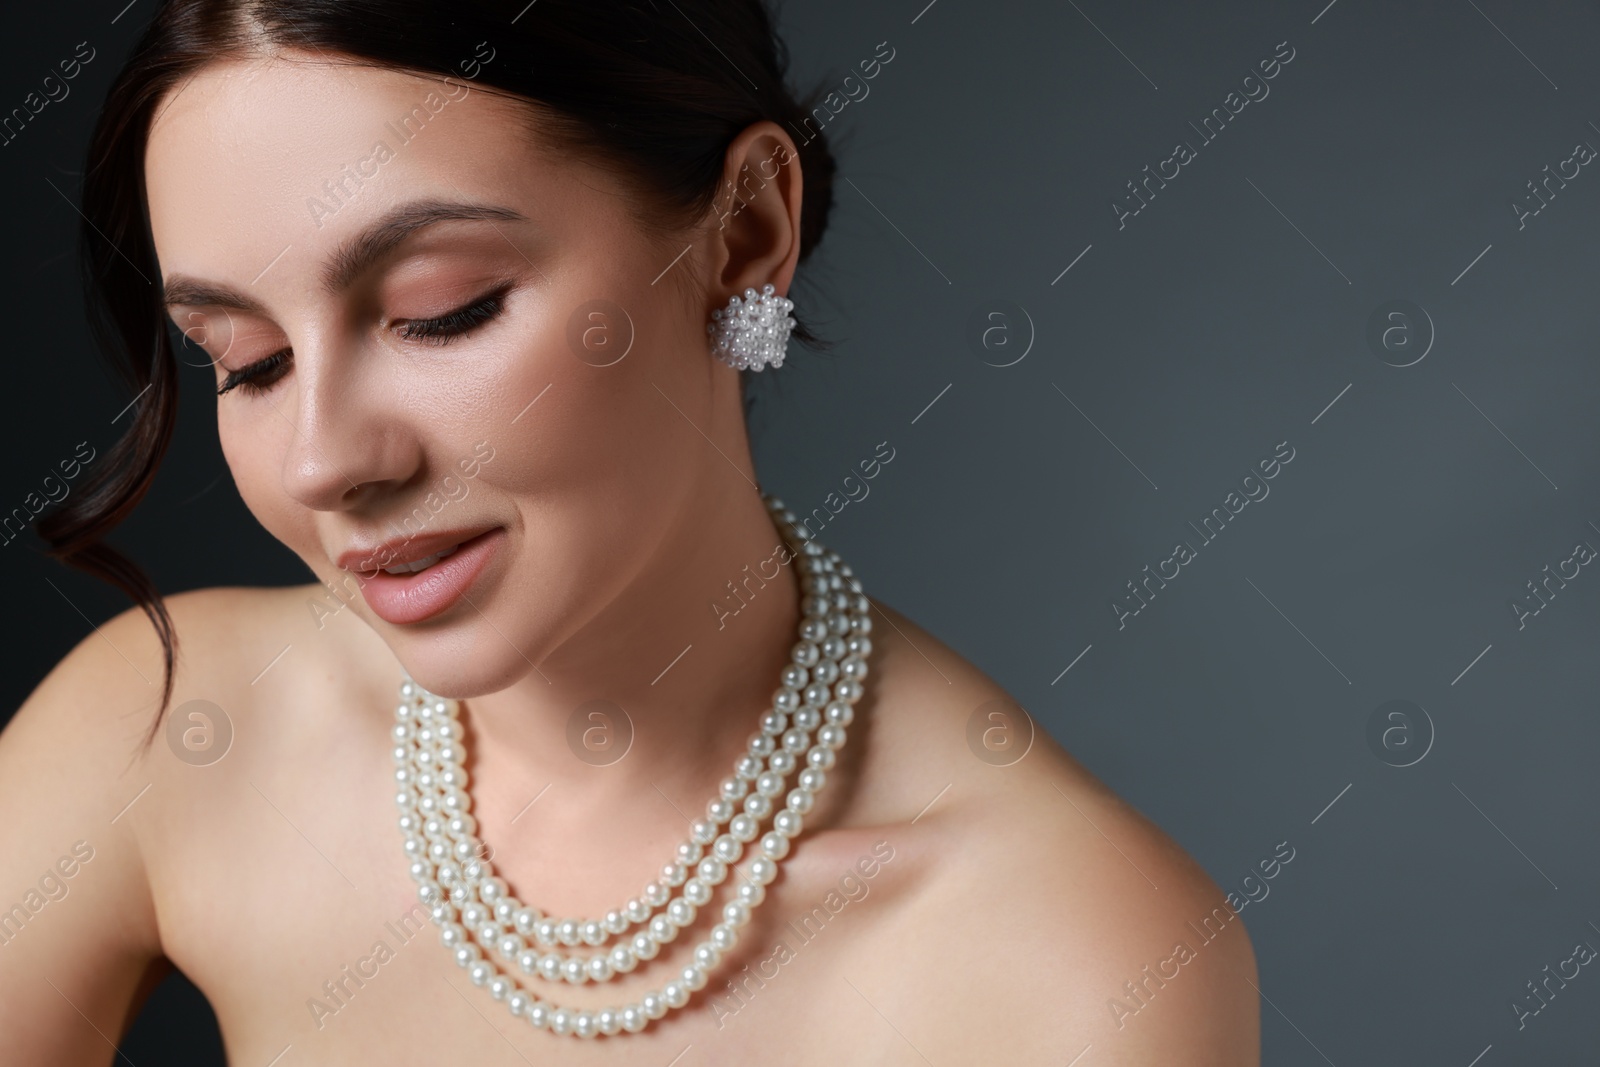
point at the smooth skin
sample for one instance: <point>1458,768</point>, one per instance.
<point>1016,902</point>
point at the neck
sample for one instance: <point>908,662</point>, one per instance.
<point>664,685</point>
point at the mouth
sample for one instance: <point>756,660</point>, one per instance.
<point>407,591</point>
<point>421,564</point>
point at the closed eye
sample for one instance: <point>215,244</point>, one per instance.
<point>260,376</point>
<point>456,323</point>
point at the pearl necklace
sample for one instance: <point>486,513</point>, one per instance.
<point>478,917</point>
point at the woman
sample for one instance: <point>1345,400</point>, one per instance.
<point>463,275</point>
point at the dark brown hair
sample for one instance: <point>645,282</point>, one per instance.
<point>655,90</point>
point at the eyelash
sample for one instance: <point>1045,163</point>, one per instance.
<point>261,375</point>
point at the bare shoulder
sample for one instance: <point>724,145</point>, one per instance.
<point>1063,917</point>
<point>82,732</point>
<point>77,786</point>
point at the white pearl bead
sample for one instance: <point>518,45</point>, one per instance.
<point>653,1005</point>
<point>519,1003</point>
<point>774,845</point>
<point>633,1018</point>
<point>538,1015</point>
<point>692,978</point>
<point>743,828</point>
<point>800,800</point>
<point>752,893</point>
<point>728,848</point>
<point>675,994</point>
<point>681,912</point>
<point>763,870</point>
<point>479,972</point>
<point>645,946</point>
<point>787,823</point>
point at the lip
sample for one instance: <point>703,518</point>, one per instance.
<point>362,560</point>
<point>402,599</point>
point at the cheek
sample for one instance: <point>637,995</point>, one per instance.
<point>573,396</point>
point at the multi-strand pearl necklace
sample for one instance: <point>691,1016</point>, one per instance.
<point>491,933</point>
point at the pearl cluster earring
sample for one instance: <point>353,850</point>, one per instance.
<point>752,333</point>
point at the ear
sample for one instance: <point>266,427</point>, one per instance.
<point>757,213</point>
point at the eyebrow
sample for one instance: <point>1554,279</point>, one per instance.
<point>355,255</point>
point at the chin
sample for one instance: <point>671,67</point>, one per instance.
<point>463,659</point>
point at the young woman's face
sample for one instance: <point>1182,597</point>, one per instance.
<point>433,336</point>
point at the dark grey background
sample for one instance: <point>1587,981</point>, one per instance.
<point>1229,315</point>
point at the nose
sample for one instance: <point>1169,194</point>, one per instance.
<point>349,438</point>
